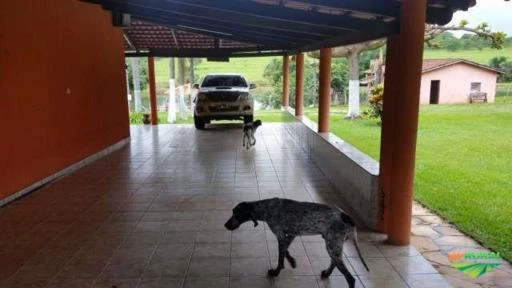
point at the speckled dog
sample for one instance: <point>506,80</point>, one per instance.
<point>288,219</point>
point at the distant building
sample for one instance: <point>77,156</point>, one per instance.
<point>449,81</point>
<point>457,81</point>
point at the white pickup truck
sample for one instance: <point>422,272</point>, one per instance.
<point>223,97</point>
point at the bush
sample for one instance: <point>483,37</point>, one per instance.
<point>376,102</point>
<point>269,100</point>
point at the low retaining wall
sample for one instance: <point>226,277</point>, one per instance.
<point>354,174</point>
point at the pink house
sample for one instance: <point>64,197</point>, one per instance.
<point>446,81</point>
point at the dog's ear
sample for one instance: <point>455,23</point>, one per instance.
<point>253,218</point>
<point>249,209</point>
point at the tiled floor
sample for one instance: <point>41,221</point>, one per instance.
<point>152,215</point>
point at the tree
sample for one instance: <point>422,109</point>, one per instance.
<point>274,73</point>
<point>137,79</point>
<point>504,66</point>
<point>143,73</point>
<point>353,52</point>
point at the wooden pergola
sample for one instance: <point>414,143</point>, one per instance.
<point>247,28</point>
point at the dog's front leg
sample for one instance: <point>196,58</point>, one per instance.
<point>253,139</point>
<point>283,243</point>
<point>243,141</point>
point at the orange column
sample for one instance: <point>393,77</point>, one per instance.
<point>152,91</point>
<point>299,84</point>
<point>324,98</point>
<point>390,92</point>
<point>286,62</point>
<point>406,85</point>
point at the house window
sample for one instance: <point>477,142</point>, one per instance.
<point>476,86</point>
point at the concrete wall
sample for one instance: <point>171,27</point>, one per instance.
<point>353,173</point>
<point>456,83</point>
<point>62,85</point>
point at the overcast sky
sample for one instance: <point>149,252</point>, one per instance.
<point>498,13</point>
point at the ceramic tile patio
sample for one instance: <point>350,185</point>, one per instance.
<point>152,215</point>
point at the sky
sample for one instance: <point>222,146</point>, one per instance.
<point>498,13</point>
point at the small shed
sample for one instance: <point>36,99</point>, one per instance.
<point>449,81</point>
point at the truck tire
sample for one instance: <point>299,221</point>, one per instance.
<point>198,122</point>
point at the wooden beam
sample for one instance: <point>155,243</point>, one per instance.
<point>204,53</point>
<point>241,30</point>
<point>152,91</point>
<point>196,12</point>
<point>390,8</point>
<point>266,12</point>
<point>354,37</point>
<point>204,29</point>
<point>129,40</point>
<point>176,43</point>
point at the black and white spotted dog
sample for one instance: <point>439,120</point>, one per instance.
<point>288,219</point>
<point>249,130</point>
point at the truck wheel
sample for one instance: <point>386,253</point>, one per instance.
<point>248,119</point>
<point>198,122</point>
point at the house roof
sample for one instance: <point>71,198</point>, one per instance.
<point>435,64</point>
<point>237,28</point>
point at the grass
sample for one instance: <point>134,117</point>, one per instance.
<point>266,116</point>
<point>504,89</point>
<point>251,68</point>
<point>462,166</point>
<point>481,56</point>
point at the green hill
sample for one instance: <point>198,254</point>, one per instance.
<point>481,56</point>
<point>251,68</point>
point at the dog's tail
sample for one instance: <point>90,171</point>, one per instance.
<point>353,235</point>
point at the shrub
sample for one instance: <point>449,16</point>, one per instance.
<point>376,102</point>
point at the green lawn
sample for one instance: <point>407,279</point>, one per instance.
<point>481,56</point>
<point>463,166</point>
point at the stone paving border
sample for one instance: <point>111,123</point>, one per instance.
<point>433,237</point>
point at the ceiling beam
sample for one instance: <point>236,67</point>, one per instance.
<point>201,30</point>
<point>204,53</point>
<point>266,12</point>
<point>352,38</point>
<point>389,8</point>
<point>213,31</point>
<point>241,30</point>
<point>129,41</point>
<point>172,9</point>
<point>176,43</point>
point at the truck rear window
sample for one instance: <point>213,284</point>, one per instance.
<point>224,80</point>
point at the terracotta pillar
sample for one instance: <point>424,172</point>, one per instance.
<point>286,62</point>
<point>152,91</point>
<point>299,84</point>
<point>390,92</point>
<point>400,123</point>
<point>324,98</point>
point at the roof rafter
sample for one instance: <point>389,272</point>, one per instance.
<point>172,9</point>
<point>282,14</point>
<point>129,41</point>
<point>202,53</point>
<point>193,27</point>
